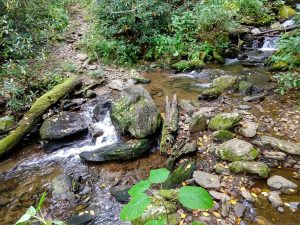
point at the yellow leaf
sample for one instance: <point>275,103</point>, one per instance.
<point>182,216</point>
<point>206,214</point>
<point>254,195</point>
<point>216,214</point>
<point>232,201</point>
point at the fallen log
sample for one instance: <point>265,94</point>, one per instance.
<point>35,112</point>
<point>170,125</point>
<point>277,30</point>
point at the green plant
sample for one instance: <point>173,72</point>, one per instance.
<point>287,81</point>
<point>34,215</point>
<point>141,196</point>
<point>97,74</point>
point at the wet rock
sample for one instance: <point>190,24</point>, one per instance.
<point>251,167</point>
<point>138,78</point>
<point>206,180</point>
<point>224,121</point>
<point>219,196</point>
<point>222,135</point>
<point>135,112</point>
<point>255,31</point>
<point>286,12</point>
<point>288,23</point>
<point>245,107</point>
<point>197,123</point>
<point>275,199</point>
<point>120,194</point>
<point>236,150</point>
<point>90,94</point>
<point>225,207</point>
<point>282,184</point>
<point>62,187</point>
<point>7,123</point>
<point>218,57</point>
<point>248,129</point>
<point>210,94</point>
<point>221,169</point>
<point>281,145</point>
<point>245,87</point>
<point>252,98</point>
<point>118,85</point>
<point>276,26</point>
<point>84,219</point>
<point>275,155</point>
<point>239,209</point>
<point>62,125</point>
<point>224,82</point>
<point>247,196</point>
<point>279,66</point>
<point>101,109</point>
<point>120,151</point>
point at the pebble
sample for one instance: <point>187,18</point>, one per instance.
<point>245,107</point>
<point>275,199</point>
<point>81,56</point>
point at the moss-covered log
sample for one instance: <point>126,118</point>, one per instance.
<point>180,174</point>
<point>36,111</point>
<point>170,125</point>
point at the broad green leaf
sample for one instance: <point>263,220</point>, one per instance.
<point>23,219</point>
<point>196,223</point>
<point>159,175</point>
<point>59,223</point>
<point>39,206</point>
<point>156,222</point>
<point>139,188</point>
<point>31,211</point>
<point>135,208</point>
<point>195,198</point>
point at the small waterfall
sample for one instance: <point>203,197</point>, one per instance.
<point>270,44</point>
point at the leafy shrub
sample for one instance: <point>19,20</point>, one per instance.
<point>189,196</point>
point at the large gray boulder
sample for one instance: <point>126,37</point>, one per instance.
<point>120,151</point>
<point>225,82</point>
<point>248,129</point>
<point>281,145</point>
<point>259,168</point>
<point>236,150</point>
<point>282,184</point>
<point>206,180</point>
<point>135,112</point>
<point>62,125</point>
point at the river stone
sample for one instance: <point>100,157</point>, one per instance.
<point>210,94</point>
<point>118,85</point>
<point>120,151</point>
<point>286,12</point>
<point>245,107</point>
<point>247,196</point>
<point>275,199</point>
<point>7,123</point>
<point>82,219</point>
<point>248,129</point>
<point>197,123</point>
<point>224,82</point>
<point>222,135</point>
<point>251,167</point>
<point>282,184</point>
<point>186,105</point>
<point>219,195</point>
<point>62,187</point>
<point>252,98</point>
<point>135,112</point>
<point>281,145</point>
<point>120,194</point>
<point>239,209</point>
<point>62,125</point>
<point>275,155</point>
<point>236,150</point>
<point>225,121</point>
<point>245,87</point>
<point>206,180</point>
<point>134,75</point>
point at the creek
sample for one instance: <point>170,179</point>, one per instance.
<point>29,171</point>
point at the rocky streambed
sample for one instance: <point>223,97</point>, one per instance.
<point>241,138</point>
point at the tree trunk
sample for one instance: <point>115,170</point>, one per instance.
<point>36,111</point>
<point>170,125</point>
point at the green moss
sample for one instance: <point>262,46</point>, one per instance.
<point>218,57</point>
<point>259,168</point>
<point>182,66</point>
<point>245,87</point>
<point>225,82</point>
<point>222,135</point>
<point>286,12</point>
<point>6,124</point>
<point>224,121</point>
<point>196,64</point>
<point>210,93</point>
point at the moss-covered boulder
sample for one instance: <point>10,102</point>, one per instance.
<point>182,65</point>
<point>135,75</point>
<point>218,57</point>
<point>197,123</point>
<point>225,82</point>
<point>120,151</point>
<point>225,121</point>
<point>281,145</point>
<point>279,66</point>
<point>251,167</point>
<point>197,64</point>
<point>135,112</point>
<point>286,12</point>
<point>245,87</point>
<point>210,94</point>
<point>236,150</point>
<point>7,123</point>
<point>63,125</point>
<point>222,135</point>
<point>159,209</point>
